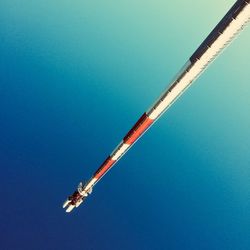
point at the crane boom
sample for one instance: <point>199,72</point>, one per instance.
<point>227,29</point>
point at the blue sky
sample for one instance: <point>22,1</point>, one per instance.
<point>74,77</point>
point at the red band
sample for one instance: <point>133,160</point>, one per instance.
<point>104,167</point>
<point>141,125</point>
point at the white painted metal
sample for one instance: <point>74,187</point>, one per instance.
<point>189,73</point>
<point>70,208</point>
<point>90,184</point>
<point>119,151</point>
<point>65,204</point>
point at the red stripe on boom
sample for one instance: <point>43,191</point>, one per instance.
<point>104,167</point>
<point>141,125</point>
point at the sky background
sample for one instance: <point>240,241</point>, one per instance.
<point>74,78</point>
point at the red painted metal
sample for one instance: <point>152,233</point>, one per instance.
<point>137,130</point>
<point>104,167</point>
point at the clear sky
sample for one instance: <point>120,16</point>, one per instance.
<point>74,77</point>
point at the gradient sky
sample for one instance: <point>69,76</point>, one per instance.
<point>74,77</point>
